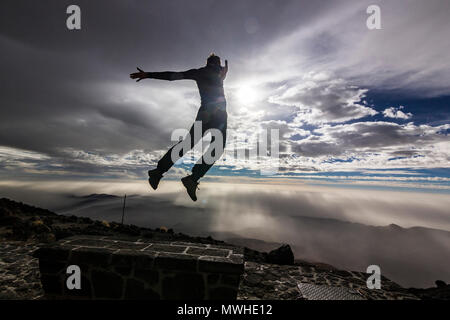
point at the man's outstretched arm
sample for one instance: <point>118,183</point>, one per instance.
<point>166,75</point>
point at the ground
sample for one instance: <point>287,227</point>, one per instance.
<point>24,228</point>
<point>19,271</point>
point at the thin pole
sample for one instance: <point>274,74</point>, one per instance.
<point>123,209</point>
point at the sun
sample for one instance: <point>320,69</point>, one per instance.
<point>247,95</point>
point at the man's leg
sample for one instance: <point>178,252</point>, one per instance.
<point>168,160</point>
<point>211,155</point>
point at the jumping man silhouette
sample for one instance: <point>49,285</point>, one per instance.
<point>211,115</point>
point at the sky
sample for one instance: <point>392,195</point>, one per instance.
<point>362,115</point>
<point>353,106</point>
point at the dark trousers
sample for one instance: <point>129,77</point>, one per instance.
<point>211,118</point>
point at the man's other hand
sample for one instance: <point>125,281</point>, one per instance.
<point>225,70</point>
<point>138,75</point>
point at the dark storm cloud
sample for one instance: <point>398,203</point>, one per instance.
<point>51,76</point>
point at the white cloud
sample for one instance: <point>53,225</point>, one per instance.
<point>338,41</point>
<point>323,99</point>
<point>396,113</point>
<point>371,145</point>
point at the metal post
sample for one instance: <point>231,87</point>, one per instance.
<point>123,209</point>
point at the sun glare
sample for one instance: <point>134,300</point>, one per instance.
<point>247,95</point>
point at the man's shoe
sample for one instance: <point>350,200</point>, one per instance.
<point>191,187</point>
<point>154,176</point>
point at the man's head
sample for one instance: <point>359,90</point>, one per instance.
<point>213,60</point>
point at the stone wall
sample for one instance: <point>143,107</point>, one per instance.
<point>140,269</point>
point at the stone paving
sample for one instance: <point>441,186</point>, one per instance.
<point>19,271</point>
<point>270,281</point>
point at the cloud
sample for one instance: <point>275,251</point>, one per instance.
<point>368,137</point>
<point>396,113</point>
<point>324,99</point>
<point>320,223</point>
<point>338,41</point>
<point>312,66</point>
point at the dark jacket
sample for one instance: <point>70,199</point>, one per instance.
<point>209,80</point>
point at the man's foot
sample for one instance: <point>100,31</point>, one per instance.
<point>153,177</point>
<point>191,187</point>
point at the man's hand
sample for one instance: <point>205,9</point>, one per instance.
<point>225,70</point>
<point>138,75</point>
